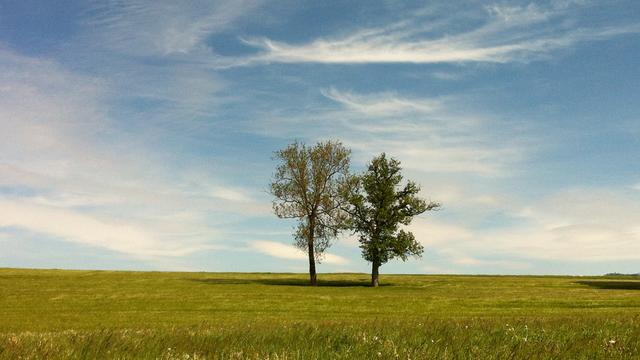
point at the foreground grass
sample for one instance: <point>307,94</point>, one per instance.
<point>94,314</point>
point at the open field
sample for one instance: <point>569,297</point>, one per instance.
<point>97,314</point>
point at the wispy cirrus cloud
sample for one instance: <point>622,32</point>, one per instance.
<point>502,34</point>
<point>383,104</point>
<point>134,138</point>
<point>88,147</point>
<point>162,28</point>
<point>69,172</point>
<point>433,135</point>
<point>153,57</point>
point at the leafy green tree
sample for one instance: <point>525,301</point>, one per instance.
<point>309,185</point>
<point>378,206</point>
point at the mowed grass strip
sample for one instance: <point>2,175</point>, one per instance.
<point>107,314</point>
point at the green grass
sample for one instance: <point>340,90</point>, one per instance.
<point>54,314</point>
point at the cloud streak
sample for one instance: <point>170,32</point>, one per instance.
<point>504,34</point>
<point>383,104</point>
<point>83,229</point>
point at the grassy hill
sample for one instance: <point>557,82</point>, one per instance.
<point>108,314</point>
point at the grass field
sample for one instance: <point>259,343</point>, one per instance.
<point>55,314</point>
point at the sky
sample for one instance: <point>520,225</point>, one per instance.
<point>140,134</point>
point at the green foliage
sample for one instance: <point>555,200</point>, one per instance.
<point>53,314</point>
<point>308,185</point>
<point>379,206</point>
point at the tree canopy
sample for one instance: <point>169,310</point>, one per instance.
<point>378,207</point>
<point>309,184</point>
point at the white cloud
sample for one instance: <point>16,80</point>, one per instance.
<point>153,57</point>
<point>290,252</point>
<point>116,188</point>
<point>143,27</point>
<point>431,135</point>
<point>508,33</point>
<point>68,160</point>
<point>580,225</point>
<point>381,104</point>
<point>443,75</point>
<point>434,233</point>
<point>231,194</point>
<point>87,230</point>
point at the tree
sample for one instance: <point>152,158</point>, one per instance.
<point>309,184</point>
<point>378,207</point>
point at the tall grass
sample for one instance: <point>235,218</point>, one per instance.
<point>569,338</point>
<point>124,315</point>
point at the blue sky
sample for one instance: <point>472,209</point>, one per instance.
<point>139,134</point>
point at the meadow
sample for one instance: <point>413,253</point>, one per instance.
<point>61,314</point>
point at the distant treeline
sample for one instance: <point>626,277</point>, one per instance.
<point>619,274</point>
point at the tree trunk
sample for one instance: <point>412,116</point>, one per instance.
<point>374,273</point>
<point>312,259</point>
